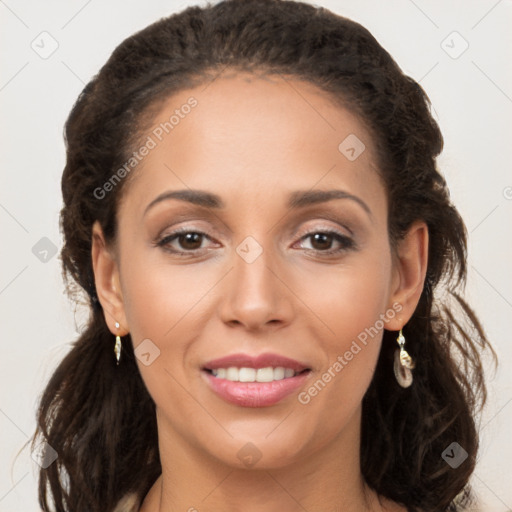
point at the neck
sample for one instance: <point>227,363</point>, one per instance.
<point>328,479</point>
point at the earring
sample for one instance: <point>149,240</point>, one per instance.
<point>403,363</point>
<point>117,347</point>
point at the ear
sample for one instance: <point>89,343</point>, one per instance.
<point>106,278</point>
<point>410,268</point>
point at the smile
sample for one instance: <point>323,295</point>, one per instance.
<point>244,374</point>
<point>259,381</point>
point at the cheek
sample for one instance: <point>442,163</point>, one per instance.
<point>166,303</point>
<point>352,302</point>
<point>159,296</point>
<point>162,306</point>
<point>350,298</point>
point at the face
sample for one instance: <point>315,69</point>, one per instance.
<point>260,275</point>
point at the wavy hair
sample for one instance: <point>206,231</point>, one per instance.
<point>101,419</point>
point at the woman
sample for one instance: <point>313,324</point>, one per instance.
<point>252,204</point>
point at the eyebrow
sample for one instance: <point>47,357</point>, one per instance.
<point>296,200</point>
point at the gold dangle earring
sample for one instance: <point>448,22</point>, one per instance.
<point>117,347</point>
<point>403,363</point>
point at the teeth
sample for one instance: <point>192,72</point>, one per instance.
<point>268,374</point>
<point>232,374</point>
<point>247,375</point>
<point>265,375</point>
<point>279,373</point>
<point>288,372</point>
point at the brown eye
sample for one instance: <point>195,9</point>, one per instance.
<point>183,241</point>
<point>190,241</point>
<point>322,242</point>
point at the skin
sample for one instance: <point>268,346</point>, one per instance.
<point>252,141</point>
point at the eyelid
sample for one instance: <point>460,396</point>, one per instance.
<point>210,233</point>
<point>325,227</point>
<point>326,217</point>
<point>347,242</point>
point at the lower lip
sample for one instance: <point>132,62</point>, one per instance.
<point>255,394</point>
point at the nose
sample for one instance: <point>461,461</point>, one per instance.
<point>256,295</point>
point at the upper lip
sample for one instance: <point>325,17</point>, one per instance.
<point>260,361</point>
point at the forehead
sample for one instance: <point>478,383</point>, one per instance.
<point>256,134</point>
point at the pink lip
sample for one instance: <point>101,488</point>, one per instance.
<point>261,361</point>
<point>255,394</point>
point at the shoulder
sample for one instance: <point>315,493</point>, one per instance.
<point>128,503</point>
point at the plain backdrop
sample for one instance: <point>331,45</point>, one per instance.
<point>459,51</point>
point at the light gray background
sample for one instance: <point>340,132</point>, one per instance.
<point>472,97</point>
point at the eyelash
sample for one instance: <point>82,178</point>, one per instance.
<point>345,242</point>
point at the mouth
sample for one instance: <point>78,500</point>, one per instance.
<point>259,381</point>
<point>245,374</point>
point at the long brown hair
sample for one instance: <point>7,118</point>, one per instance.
<point>100,418</point>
